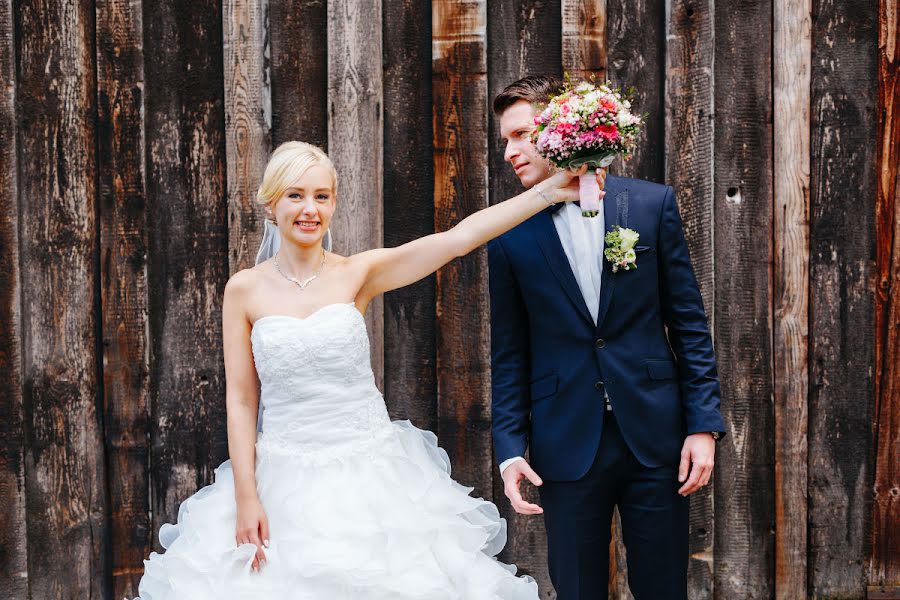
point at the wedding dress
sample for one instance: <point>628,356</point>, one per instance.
<point>358,506</point>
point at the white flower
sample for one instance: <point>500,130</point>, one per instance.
<point>629,239</point>
<point>623,119</point>
<point>584,87</point>
<point>627,104</point>
<point>630,256</point>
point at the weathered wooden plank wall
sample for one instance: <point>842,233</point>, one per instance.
<point>884,559</point>
<point>128,172</point>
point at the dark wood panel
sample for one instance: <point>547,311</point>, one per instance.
<point>247,124</point>
<point>123,281</point>
<point>689,169</point>
<point>13,513</point>
<point>188,265</point>
<point>884,561</point>
<point>791,95</point>
<point>460,188</point>
<point>65,474</point>
<point>841,336</point>
<point>356,141</point>
<point>636,49</point>
<point>298,30</point>
<point>744,501</point>
<point>410,386</point>
<point>523,38</point>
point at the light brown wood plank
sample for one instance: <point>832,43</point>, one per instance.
<point>792,58</point>
<point>248,116</point>
<point>584,38</point>
<point>356,141</point>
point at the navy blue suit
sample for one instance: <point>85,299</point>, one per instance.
<point>650,351</point>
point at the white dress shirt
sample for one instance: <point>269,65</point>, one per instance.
<point>582,241</point>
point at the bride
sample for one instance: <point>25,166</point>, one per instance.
<point>331,499</point>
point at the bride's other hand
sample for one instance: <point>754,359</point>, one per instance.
<point>252,528</point>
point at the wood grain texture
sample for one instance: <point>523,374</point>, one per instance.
<point>123,284</point>
<point>884,561</point>
<point>636,50</point>
<point>65,474</point>
<point>523,38</point>
<point>460,188</point>
<point>410,384</point>
<point>744,500</point>
<point>841,337</point>
<point>13,510</point>
<point>689,137</point>
<point>355,141</point>
<point>299,71</point>
<point>791,88</point>
<point>584,38</point>
<point>186,198</point>
<point>248,120</point>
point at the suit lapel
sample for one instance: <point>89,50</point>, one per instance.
<point>548,241</point>
<point>614,203</point>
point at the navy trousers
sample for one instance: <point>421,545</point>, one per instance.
<point>578,517</point>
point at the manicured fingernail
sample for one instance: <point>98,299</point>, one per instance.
<point>266,543</point>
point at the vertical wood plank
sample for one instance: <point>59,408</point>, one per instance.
<point>791,79</point>
<point>844,39</point>
<point>247,123</point>
<point>410,386</point>
<point>356,140</point>
<point>636,50</point>
<point>65,474</point>
<point>460,188</point>
<point>584,38</point>
<point>884,561</point>
<point>186,199</point>
<point>299,50</point>
<point>744,501</point>
<point>523,38</point>
<point>123,280</point>
<point>689,136</point>
<point>13,513</point>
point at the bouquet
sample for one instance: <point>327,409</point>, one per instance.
<point>587,124</point>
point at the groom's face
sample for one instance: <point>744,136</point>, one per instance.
<point>516,125</point>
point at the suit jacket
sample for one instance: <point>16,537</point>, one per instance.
<point>650,350</point>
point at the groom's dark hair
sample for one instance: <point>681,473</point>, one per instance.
<point>536,89</point>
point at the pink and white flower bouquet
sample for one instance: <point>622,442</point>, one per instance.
<point>587,124</point>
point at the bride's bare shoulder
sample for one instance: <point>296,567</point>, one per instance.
<point>245,280</point>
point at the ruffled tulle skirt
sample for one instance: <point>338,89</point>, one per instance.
<point>383,522</point>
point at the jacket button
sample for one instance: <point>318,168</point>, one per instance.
<point>600,343</point>
<point>599,385</point>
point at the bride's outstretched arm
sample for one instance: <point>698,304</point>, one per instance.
<point>391,268</point>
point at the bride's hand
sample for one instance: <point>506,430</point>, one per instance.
<point>252,528</point>
<point>562,186</point>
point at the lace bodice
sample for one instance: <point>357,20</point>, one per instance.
<point>317,387</point>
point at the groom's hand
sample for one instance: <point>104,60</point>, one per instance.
<point>698,455</point>
<point>512,475</point>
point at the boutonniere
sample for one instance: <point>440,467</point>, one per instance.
<point>619,250</point>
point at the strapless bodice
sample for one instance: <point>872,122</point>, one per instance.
<point>317,390</point>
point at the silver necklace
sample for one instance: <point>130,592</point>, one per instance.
<point>301,284</point>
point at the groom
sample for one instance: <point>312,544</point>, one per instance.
<point>609,378</point>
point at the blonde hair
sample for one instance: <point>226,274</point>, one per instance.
<point>288,162</point>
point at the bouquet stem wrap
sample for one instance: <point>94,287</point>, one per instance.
<point>589,194</point>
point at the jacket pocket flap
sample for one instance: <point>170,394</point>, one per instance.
<point>639,249</point>
<point>544,386</point>
<point>661,369</point>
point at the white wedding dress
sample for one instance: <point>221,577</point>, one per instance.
<point>358,506</point>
